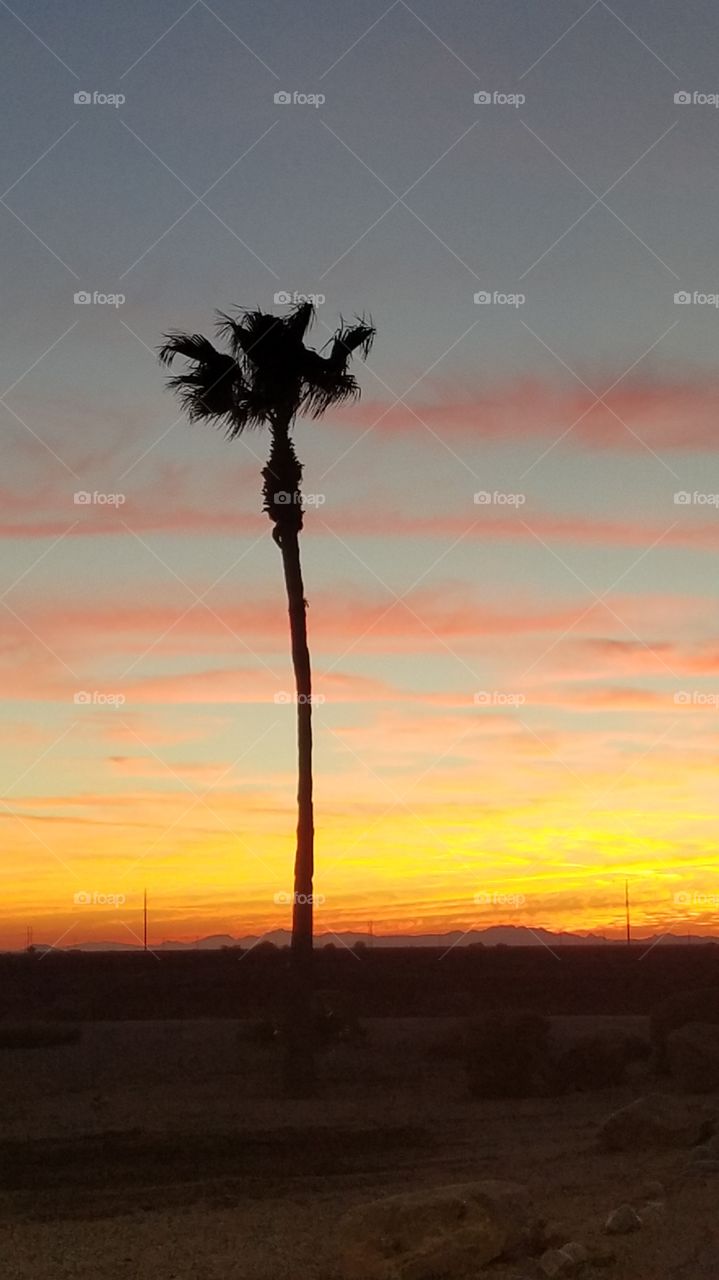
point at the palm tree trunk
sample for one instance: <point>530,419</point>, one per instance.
<point>304,858</point>
<point>282,502</point>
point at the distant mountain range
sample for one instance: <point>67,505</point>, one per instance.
<point>494,936</point>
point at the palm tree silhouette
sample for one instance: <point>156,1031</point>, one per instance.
<point>267,378</point>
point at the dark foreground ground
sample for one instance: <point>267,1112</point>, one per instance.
<point>158,1147</point>
<point>375,982</point>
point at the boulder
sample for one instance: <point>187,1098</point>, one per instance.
<point>555,1262</point>
<point>622,1221</point>
<point>438,1233</point>
<point>563,1262</point>
<point>658,1120</point>
<point>652,1215</point>
<point>692,1054</point>
<point>575,1251</point>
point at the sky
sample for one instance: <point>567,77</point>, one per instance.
<point>511,540</point>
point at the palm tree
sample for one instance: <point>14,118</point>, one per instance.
<point>268,377</point>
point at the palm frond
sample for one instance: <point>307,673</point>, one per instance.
<point>213,388</point>
<point>193,346</point>
<point>299,320</point>
<point>251,334</point>
<point>350,338</point>
<point>322,393</point>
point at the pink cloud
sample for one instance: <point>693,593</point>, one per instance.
<point>665,415</point>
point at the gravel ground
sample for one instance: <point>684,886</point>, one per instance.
<point>160,1151</point>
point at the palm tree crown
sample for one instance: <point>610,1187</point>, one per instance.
<point>269,375</point>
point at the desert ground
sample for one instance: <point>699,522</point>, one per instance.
<point>161,1150</point>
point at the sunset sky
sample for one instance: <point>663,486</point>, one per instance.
<point>519,696</point>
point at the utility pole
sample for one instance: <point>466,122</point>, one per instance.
<point>629,923</point>
<point>144,921</point>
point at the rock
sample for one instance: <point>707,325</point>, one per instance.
<point>652,1214</point>
<point>555,1263</point>
<point>446,1232</point>
<point>564,1261</point>
<point>692,1054</point>
<point>657,1120</point>
<point>622,1221</point>
<point>575,1251</point>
